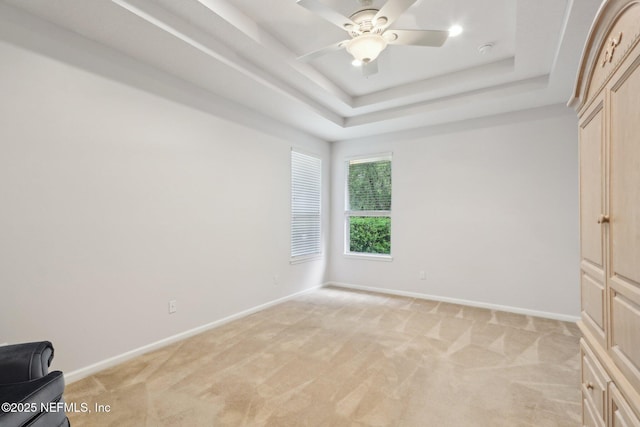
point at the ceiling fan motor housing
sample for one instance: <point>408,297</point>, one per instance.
<point>365,23</point>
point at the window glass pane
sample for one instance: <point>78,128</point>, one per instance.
<point>370,234</point>
<point>370,186</point>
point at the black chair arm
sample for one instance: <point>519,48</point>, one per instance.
<point>23,362</point>
<point>26,401</point>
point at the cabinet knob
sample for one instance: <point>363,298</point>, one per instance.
<point>602,219</point>
<point>589,386</point>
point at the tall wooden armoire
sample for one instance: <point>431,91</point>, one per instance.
<point>607,99</point>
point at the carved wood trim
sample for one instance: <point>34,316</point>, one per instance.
<point>596,47</point>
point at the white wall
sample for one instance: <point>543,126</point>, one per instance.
<point>487,209</point>
<point>115,201</point>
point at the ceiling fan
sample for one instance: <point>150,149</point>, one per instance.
<point>369,31</point>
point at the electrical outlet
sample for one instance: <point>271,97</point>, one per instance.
<point>173,306</point>
<point>422,275</point>
<point>276,280</point>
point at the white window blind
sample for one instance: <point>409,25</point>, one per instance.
<point>305,205</point>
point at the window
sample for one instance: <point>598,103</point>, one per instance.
<point>368,206</point>
<point>305,206</point>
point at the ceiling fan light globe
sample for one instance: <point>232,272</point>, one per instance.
<point>367,47</point>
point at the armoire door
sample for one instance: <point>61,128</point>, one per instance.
<point>592,251</point>
<point>624,226</point>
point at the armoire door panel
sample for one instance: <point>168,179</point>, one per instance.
<point>591,175</point>
<point>589,418</point>
<point>594,381</point>
<point>624,191</point>
<point>621,414</point>
<point>594,271</point>
<point>593,301</point>
<point>625,324</point>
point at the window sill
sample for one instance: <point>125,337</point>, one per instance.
<point>369,257</point>
<point>302,259</point>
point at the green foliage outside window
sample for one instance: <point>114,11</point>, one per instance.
<point>369,187</point>
<point>370,234</point>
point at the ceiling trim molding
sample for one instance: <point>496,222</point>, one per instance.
<point>33,34</point>
<point>443,85</point>
<point>563,32</point>
<point>500,119</point>
<point>250,29</point>
<point>190,35</point>
<point>500,90</point>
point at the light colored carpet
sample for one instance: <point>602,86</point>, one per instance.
<point>341,358</point>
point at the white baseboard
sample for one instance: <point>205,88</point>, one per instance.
<point>498,307</point>
<point>81,373</point>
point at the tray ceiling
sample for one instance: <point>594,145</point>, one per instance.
<point>245,51</point>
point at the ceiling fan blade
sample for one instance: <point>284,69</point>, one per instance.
<point>431,38</point>
<point>369,68</point>
<point>391,11</point>
<point>318,53</point>
<point>327,13</point>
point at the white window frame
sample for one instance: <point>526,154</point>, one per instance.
<point>316,254</point>
<point>349,213</point>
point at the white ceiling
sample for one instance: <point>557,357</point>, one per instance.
<point>246,50</point>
